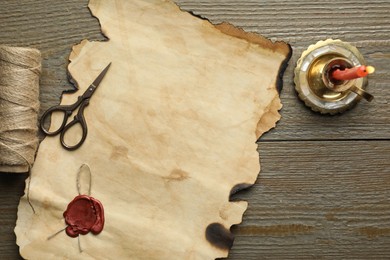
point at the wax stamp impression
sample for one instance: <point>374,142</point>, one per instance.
<point>84,214</point>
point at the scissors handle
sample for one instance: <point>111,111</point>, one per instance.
<point>78,119</point>
<point>48,113</point>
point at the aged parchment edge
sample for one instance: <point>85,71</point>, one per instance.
<point>271,114</point>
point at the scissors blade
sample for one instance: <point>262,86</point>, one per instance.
<point>99,78</point>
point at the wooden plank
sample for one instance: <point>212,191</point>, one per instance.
<point>321,199</point>
<point>11,189</point>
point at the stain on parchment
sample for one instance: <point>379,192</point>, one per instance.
<point>177,175</point>
<point>118,152</point>
<point>224,212</point>
<point>219,236</point>
<point>277,47</point>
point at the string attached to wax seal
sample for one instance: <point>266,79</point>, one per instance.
<point>20,69</point>
<point>84,213</point>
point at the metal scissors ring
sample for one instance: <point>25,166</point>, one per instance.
<point>67,110</point>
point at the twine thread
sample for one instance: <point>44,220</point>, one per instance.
<point>20,69</point>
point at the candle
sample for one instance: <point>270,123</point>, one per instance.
<point>352,73</point>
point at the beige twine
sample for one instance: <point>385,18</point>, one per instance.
<point>19,105</point>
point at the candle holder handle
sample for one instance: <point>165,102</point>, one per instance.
<point>367,96</point>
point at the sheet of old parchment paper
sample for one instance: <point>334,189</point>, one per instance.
<point>172,132</point>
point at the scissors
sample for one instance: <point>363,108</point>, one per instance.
<point>67,110</point>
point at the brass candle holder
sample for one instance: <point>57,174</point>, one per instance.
<point>314,83</point>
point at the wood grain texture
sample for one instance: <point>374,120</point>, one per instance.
<point>318,201</point>
<point>324,187</point>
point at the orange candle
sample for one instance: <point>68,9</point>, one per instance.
<point>352,73</point>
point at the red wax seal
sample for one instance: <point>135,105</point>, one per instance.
<point>84,214</point>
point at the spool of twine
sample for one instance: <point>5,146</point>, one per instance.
<point>19,105</point>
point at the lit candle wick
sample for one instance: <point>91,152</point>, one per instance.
<point>352,73</point>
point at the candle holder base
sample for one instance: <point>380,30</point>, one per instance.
<point>314,84</point>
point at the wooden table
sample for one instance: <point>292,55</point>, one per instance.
<point>324,188</point>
